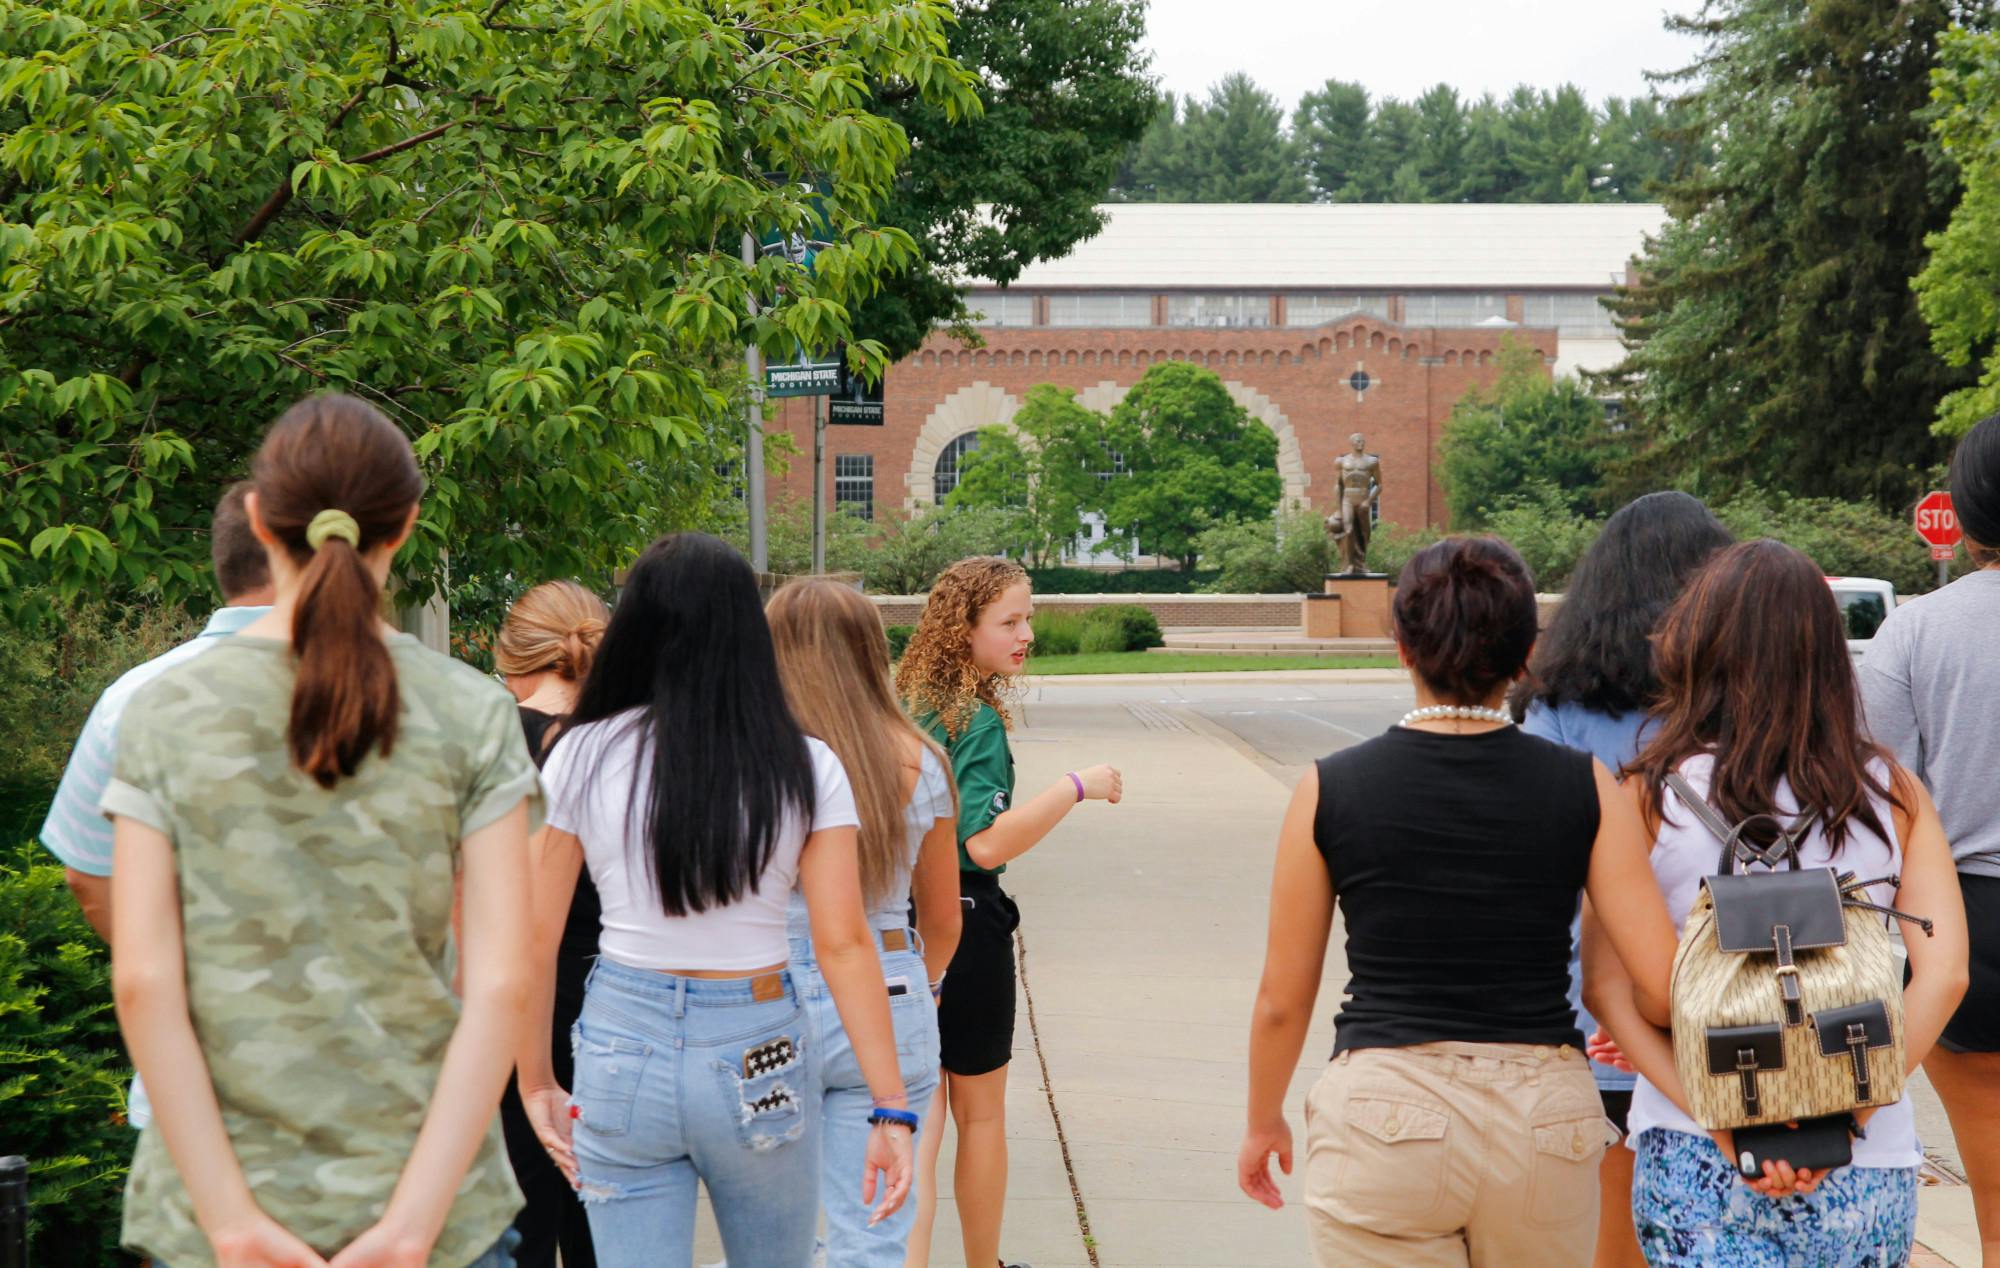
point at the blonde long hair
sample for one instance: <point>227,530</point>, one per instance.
<point>833,658</point>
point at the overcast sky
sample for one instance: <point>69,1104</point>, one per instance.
<point>1399,49</point>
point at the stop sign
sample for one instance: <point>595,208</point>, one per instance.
<point>1936,522</point>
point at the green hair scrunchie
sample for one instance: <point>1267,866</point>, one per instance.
<point>333,523</point>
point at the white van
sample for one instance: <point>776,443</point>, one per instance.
<point>1865,602</point>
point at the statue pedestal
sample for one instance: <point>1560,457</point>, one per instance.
<point>1356,603</point>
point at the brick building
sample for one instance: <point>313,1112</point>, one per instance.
<point>1322,320</point>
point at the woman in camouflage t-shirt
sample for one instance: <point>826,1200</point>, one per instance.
<point>290,812</point>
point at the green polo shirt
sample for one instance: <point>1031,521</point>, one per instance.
<point>983,766</point>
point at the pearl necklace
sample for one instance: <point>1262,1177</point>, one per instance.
<point>1469,712</point>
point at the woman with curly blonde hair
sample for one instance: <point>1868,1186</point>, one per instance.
<point>972,640</point>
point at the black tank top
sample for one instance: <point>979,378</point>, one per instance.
<point>1457,861</point>
<point>586,913</point>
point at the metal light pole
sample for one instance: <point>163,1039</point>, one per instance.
<point>753,441</point>
<point>13,1212</point>
<point>819,408</point>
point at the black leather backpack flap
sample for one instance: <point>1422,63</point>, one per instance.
<point>1749,908</point>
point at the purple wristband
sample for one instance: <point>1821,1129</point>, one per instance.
<point>1079,785</point>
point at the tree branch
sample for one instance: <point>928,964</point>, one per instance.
<point>408,142</point>
<point>282,195</point>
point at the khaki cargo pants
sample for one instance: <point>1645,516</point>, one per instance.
<point>1462,1154</point>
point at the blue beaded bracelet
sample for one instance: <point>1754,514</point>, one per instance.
<point>902,1118</point>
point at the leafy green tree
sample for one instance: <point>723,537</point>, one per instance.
<point>1049,466</point>
<point>1775,339</point>
<point>913,550</point>
<point>514,227</point>
<point>1063,94</point>
<point>1542,522</point>
<point>1525,430</point>
<point>1959,288</point>
<point>1193,457</point>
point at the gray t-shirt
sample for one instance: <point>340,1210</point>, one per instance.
<point>1928,683</point>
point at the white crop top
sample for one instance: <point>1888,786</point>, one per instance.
<point>589,780</point>
<point>1685,853</point>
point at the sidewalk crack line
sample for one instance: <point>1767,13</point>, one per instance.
<point>1048,1090</point>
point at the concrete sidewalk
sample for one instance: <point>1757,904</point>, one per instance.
<point>1142,938</point>
<point>1142,930</point>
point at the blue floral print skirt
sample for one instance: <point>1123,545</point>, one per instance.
<point>1690,1208</point>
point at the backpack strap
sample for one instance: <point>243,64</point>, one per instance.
<point>1734,847</point>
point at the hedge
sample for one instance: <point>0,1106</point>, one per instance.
<point>63,1070</point>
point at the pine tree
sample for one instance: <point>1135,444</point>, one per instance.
<point>1774,337</point>
<point>1330,128</point>
<point>1236,148</point>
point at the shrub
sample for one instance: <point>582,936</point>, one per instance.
<point>1389,547</point>
<point>62,1068</point>
<point>1288,555</point>
<point>1101,636</point>
<point>1122,627</point>
<point>1121,581</point>
<point>1852,539</point>
<point>50,678</point>
<point>899,638</point>
<point>1058,633</point>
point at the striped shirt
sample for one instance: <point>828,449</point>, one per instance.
<point>76,831</point>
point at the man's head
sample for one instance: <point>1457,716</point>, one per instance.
<point>241,569</point>
<point>1358,443</point>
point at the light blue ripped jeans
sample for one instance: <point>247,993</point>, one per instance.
<point>851,1243</point>
<point>680,1080</point>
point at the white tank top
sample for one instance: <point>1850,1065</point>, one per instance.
<point>1686,852</point>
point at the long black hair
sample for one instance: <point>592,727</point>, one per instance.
<point>724,762</point>
<point>1598,651</point>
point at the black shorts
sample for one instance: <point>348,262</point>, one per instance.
<point>1617,1106</point>
<point>1975,1027</point>
<point>976,1012</point>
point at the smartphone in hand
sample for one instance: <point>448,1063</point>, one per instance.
<point>1819,1143</point>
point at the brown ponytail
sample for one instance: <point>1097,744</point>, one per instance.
<point>334,458</point>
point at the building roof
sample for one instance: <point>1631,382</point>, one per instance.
<point>1149,246</point>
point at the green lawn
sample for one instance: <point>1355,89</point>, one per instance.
<point>1194,663</point>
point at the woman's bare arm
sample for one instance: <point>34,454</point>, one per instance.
<point>1938,972</point>
<point>1302,901</point>
<point>1627,898</point>
<point>1607,993</point>
<point>934,885</point>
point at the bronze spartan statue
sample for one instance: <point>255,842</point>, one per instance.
<point>1351,525</point>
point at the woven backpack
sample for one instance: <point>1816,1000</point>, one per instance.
<point>1787,997</point>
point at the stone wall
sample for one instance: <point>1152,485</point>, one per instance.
<point>1174,611</point>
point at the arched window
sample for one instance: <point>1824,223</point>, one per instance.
<point>944,477</point>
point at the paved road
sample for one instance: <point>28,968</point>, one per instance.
<point>1285,725</point>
